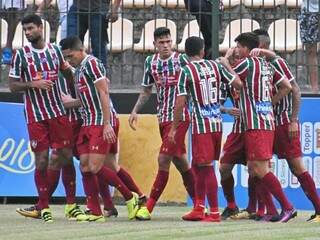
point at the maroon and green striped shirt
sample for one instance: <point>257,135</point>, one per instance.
<point>202,79</point>
<point>255,96</point>
<point>164,74</point>
<point>74,114</point>
<point>90,71</point>
<point>29,64</point>
<point>234,95</point>
<point>283,109</point>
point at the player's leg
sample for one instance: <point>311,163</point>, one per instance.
<point>259,147</point>
<point>178,151</point>
<point>307,183</point>
<point>62,139</point>
<point>39,141</point>
<point>290,149</point>
<point>232,154</point>
<point>182,165</point>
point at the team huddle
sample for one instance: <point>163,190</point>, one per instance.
<point>69,112</point>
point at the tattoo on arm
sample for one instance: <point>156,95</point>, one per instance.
<point>143,98</point>
<point>296,99</point>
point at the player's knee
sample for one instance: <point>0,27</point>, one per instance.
<point>41,164</point>
<point>94,167</point>
<point>225,170</point>
<point>164,162</point>
<point>296,167</point>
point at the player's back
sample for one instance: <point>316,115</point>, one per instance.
<point>255,96</point>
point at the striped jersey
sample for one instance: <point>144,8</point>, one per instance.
<point>255,96</point>
<point>113,114</point>
<point>227,91</point>
<point>29,64</point>
<point>164,74</point>
<point>90,71</point>
<point>283,109</point>
<point>73,114</point>
<point>202,79</point>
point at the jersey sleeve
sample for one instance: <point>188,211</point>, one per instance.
<point>96,70</point>
<point>184,59</point>
<point>242,68</point>
<point>282,66</point>
<point>226,76</point>
<point>147,80</point>
<point>15,67</point>
<point>277,76</point>
<point>182,83</point>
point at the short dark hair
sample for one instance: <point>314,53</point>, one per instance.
<point>193,46</point>
<point>72,43</point>
<point>248,39</point>
<point>161,31</point>
<point>32,18</point>
<point>261,32</point>
<point>263,36</point>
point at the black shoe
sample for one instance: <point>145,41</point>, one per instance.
<point>228,212</point>
<point>111,212</point>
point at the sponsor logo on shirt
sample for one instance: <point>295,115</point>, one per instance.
<point>264,108</point>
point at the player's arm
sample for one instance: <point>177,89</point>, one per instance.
<point>260,52</point>
<point>296,99</point>
<point>283,84</point>
<point>70,102</point>
<point>15,74</point>
<point>103,91</point>
<point>142,99</point>
<point>236,82</point>
<point>180,103</point>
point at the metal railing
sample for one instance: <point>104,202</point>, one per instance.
<point>130,38</point>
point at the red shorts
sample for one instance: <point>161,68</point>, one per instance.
<point>90,140</point>
<point>114,146</point>
<point>285,147</point>
<point>206,147</point>
<point>178,148</point>
<point>54,133</point>
<point>258,144</point>
<point>233,150</point>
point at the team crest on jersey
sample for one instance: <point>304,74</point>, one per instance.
<point>33,144</point>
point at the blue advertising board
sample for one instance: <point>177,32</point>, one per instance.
<point>17,161</point>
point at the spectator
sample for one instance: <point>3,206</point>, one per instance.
<point>63,6</point>
<point>92,15</point>
<point>310,35</point>
<point>201,9</point>
<point>14,11</point>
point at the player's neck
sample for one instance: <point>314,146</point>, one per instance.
<point>165,56</point>
<point>195,59</point>
<point>40,44</point>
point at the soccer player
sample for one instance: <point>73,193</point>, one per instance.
<point>201,79</point>
<point>256,101</point>
<point>234,153</point>
<point>162,70</point>
<point>287,143</point>
<point>96,134</point>
<point>34,71</point>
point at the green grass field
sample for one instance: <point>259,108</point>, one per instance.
<point>166,224</point>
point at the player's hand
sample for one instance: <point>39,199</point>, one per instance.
<point>42,84</point>
<point>66,98</point>
<point>113,16</point>
<point>256,52</point>
<point>108,133</point>
<point>224,61</point>
<point>235,112</point>
<point>229,53</point>
<point>133,119</point>
<point>293,129</point>
<point>171,135</point>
